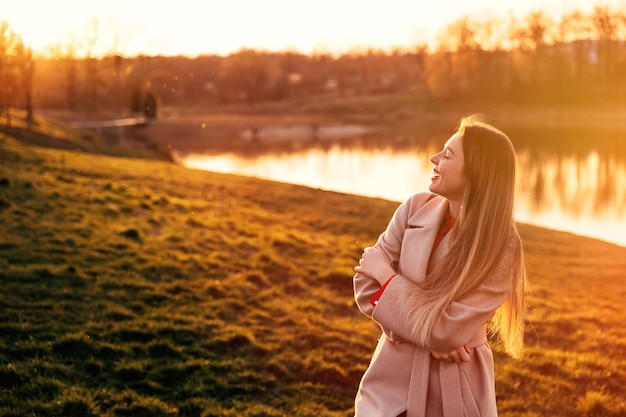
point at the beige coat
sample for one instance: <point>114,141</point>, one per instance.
<point>403,376</point>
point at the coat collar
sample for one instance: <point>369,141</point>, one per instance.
<point>427,210</point>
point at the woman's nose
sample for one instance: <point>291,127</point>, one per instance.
<point>434,158</point>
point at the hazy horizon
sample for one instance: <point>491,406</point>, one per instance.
<point>183,28</point>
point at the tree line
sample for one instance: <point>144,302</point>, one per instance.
<point>577,58</point>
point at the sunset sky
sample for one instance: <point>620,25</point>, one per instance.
<point>191,27</point>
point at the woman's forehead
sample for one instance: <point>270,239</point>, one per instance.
<point>455,142</point>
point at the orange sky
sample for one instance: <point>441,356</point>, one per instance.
<point>191,27</point>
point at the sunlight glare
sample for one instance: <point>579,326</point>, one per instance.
<point>337,169</point>
<point>185,27</point>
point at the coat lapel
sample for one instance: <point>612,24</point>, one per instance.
<point>419,237</point>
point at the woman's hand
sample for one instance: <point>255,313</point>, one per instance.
<point>375,264</point>
<point>458,355</point>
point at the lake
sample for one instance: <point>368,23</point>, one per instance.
<point>582,191</point>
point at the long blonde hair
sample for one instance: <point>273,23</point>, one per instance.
<point>484,232</point>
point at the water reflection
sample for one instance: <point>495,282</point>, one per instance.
<point>582,194</point>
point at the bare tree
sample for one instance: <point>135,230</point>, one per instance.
<point>91,65</point>
<point>534,67</point>
<point>6,41</point>
<point>573,39</point>
<point>65,55</point>
<point>10,44</point>
<point>25,70</point>
<point>607,25</point>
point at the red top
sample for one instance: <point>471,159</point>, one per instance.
<point>445,227</point>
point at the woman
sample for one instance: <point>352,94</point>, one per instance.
<point>449,264</point>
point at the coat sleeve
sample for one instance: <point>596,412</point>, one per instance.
<point>460,321</point>
<point>389,242</point>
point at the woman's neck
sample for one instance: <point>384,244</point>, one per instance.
<point>453,208</point>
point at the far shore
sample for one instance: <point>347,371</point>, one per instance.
<point>214,128</point>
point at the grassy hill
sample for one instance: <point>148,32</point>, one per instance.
<point>135,287</point>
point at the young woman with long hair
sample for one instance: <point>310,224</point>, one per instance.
<point>448,270</point>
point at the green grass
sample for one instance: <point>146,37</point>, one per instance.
<point>134,287</point>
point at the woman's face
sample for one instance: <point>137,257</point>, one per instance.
<point>448,178</point>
